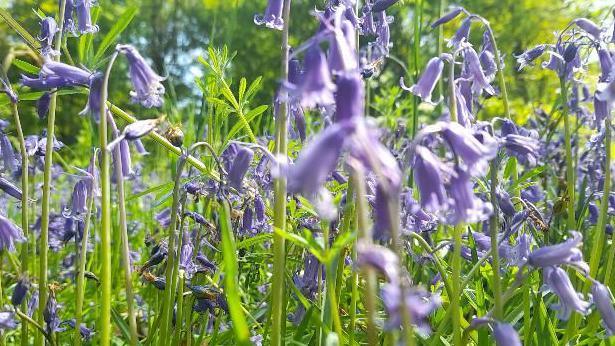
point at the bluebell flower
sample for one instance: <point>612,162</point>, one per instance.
<point>475,155</point>
<point>383,43</point>
<point>240,167</point>
<point>10,189</point>
<point>9,234</point>
<point>367,21</point>
<point>526,149</point>
<point>318,159</point>
<point>5,87</point>
<point>20,291</point>
<point>341,57</point>
<point>78,201</point>
<point>468,208</point>
<point>42,105</point>
<point>429,173</point>
<point>50,314</point>
<point>589,27</point>
<point>567,252</point>
<point>420,305</point>
<point>69,12</point>
<point>83,8</point>
<point>349,98</point>
<point>428,80</point>
<point>7,320</point>
<point>559,283</point>
<point>606,93</point>
<point>461,35</point>
<point>530,55</point>
<point>8,154</point>
<point>476,73</point>
<point>505,335</point>
<point>147,87</point>
<point>315,87</point>
<point>603,299</point>
<point>134,131</point>
<point>57,75</point>
<point>272,18</point>
<point>380,258</point>
<point>85,332</point>
<point>49,28</point>
<point>447,17</point>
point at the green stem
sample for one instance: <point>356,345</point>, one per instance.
<point>358,180</point>
<point>169,291</point>
<point>604,203</point>
<point>180,309</point>
<point>498,64</point>
<point>121,200</point>
<point>44,237</point>
<point>278,308</point>
<point>105,225</point>
<point>25,257</point>
<point>569,196</point>
<point>493,233</point>
<point>82,260</point>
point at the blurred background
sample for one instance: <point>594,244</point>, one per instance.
<point>173,34</point>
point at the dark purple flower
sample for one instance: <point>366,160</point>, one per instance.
<point>488,64</point>
<point>20,291</point>
<point>461,35</point>
<point>342,56</point>
<point>569,300</point>
<point>589,27</point>
<point>349,98</point>
<point>381,5</point>
<point>475,155</point>
<point>240,167</point>
<point>84,16</point>
<point>530,55</point>
<point>273,15</point>
<point>428,80</point>
<point>50,314</point>
<point>567,252</point>
<point>428,174</point>
<point>505,204</point>
<point>164,218</point>
<point>603,299</point>
<point>9,234</point>
<point>49,28</point>
<point>148,89</point>
<point>383,43</point>
<point>78,201</point>
<point>468,208</point>
<point>299,119</point>
<point>315,87</point>
<point>505,335</point>
<point>126,158</point>
<point>205,262</point>
<point>86,333</point>
<point>447,17</point>
<point>380,258</point>
<point>69,11</point>
<point>606,64</point>
<point>367,21</point>
<point>42,105</point>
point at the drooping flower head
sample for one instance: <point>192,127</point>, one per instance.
<point>475,72</point>
<point>349,98</point>
<point>603,299</point>
<point>447,17</point>
<point>315,87</point>
<point>240,166</point>
<point>272,18</point>
<point>9,234</point>
<point>474,155</point>
<point>567,252</point>
<point>49,28</point>
<point>468,208</point>
<point>428,80</point>
<point>381,5</point>
<point>57,75</point>
<point>530,55</point>
<point>420,305</point>
<point>558,281</point>
<point>429,173</point>
<point>461,35</point>
<point>589,27</point>
<point>84,16</point>
<point>147,87</point>
<point>8,154</point>
<point>505,335</point>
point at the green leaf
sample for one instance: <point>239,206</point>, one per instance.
<point>249,117</point>
<point>529,175</point>
<point>120,25</point>
<point>25,35</point>
<point>254,240</point>
<point>254,86</point>
<point>242,89</point>
<point>121,324</point>
<point>231,287</point>
<point>26,66</point>
<point>511,167</point>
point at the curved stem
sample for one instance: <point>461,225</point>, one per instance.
<point>278,308</point>
<point>25,256</point>
<point>44,236</point>
<point>105,225</point>
<point>36,325</point>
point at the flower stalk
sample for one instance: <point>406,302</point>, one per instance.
<point>44,237</point>
<point>278,308</point>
